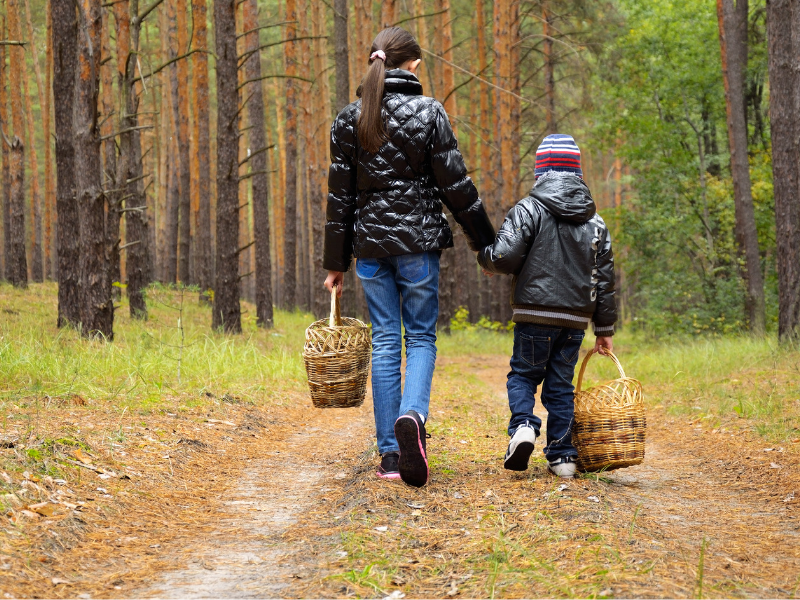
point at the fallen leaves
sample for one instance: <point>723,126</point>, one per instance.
<point>59,581</point>
<point>45,509</point>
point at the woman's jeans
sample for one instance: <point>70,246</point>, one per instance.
<point>545,356</point>
<point>411,282</point>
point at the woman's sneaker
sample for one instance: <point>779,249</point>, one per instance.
<point>409,430</point>
<point>520,448</point>
<point>389,468</point>
<point>563,467</point>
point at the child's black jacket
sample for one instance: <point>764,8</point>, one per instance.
<point>559,251</point>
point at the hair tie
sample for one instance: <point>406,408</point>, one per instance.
<point>378,54</point>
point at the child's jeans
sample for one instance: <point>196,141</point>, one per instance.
<point>545,355</point>
<point>401,287</point>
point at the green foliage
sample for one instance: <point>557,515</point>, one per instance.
<point>461,322</point>
<point>660,105</point>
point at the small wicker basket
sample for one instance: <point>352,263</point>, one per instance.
<point>610,425</point>
<point>337,353</point>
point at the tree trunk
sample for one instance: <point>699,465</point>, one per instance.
<point>173,124</point>
<point>17,257</point>
<point>388,13</point>
<point>227,312</point>
<point>290,231</point>
<point>733,45</point>
<point>341,54</point>
<point>37,242</point>
<point>258,164</point>
<point>784,99</point>
<point>51,268</point>
<point>64,39</point>
<point>549,71</point>
<point>204,272</point>
<point>110,180</point>
<point>181,111</point>
<point>448,83</point>
<point>6,156</point>
<point>97,309</point>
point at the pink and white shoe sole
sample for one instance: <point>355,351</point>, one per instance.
<point>387,475</point>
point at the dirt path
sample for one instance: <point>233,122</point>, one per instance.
<point>245,556</point>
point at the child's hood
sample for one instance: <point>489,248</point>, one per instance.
<point>565,195</point>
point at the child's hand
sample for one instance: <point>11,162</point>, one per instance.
<point>487,273</point>
<point>604,345</point>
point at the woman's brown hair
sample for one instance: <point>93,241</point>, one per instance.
<point>399,47</point>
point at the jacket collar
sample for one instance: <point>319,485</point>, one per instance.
<point>400,81</point>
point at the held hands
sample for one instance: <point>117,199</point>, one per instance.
<point>335,278</point>
<point>604,345</point>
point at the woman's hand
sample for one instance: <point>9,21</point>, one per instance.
<point>335,278</point>
<point>604,344</point>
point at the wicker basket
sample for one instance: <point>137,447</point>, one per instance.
<point>610,425</point>
<point>337,353</point>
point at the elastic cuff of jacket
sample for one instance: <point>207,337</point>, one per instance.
<point>603,331</point>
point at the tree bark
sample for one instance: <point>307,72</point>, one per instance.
<point>227,312</point>
<point>6,156</point>
<point>341,54</point>
<point>110,182</point>
<point>37,242</point>
<point>51,265</point>
<point>182,124</point>
<point>204,272</point>
<point>97,309</point>
<point>733,46</point>
<point>388,13</point>
<point>448,83</point>
<point>64,39</point>
<point>290,156</point>
<point>173,155</point>
<point>18,258</point>
<point>549,70</point>
<point>258,164</point>
<point>783,35</point>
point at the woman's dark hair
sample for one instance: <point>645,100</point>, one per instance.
<point>399,47</point>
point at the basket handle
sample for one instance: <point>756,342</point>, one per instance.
<point>336,312</point>
<point>586,361</point>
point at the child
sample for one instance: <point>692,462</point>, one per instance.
<point>559,251</point>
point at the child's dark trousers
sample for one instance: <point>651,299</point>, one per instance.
<point>546,356</point>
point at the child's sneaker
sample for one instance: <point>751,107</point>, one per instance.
<point>520,448</point>
<point>564,467</point>
<point>389,468</point>
<point>409,430</point>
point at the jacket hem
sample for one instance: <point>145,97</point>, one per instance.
<point>551,316</point>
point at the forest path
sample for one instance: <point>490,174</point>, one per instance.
<point>245,557</point>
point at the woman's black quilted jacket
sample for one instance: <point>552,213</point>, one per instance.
<point>390,203</point>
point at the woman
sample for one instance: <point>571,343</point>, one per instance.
<point>394,161</point>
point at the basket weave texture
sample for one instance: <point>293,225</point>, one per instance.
<point>609,429</point>
<point>337,354</point>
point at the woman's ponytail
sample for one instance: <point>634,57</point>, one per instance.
<point>392,48</point>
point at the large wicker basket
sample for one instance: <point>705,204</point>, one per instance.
<point>610,425</point>
<point>337,353</point>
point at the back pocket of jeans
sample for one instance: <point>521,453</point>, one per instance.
<point>535,349</point>
<point>413,267</point>
<point>570,350</point>
<point>367,268</point>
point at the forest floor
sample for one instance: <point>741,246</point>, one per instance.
<point>255,493</point>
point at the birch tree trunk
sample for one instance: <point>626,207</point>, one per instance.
<point>733,46</point>
<point>783,34</point>
<point>227,312</point>
<point>97,309</point>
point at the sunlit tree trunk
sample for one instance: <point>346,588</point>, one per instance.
<point>733,21</point>
<point>388,13</point>
<point>17,257</point>
<point>227,312</point>
<point>203,257</point>
<point>448,83</point>
<point>784,98</point>
<point>290,158</point>
<point>97,309</point>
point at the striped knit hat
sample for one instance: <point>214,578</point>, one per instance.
<point>558,152</point>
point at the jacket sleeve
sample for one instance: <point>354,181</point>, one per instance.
<point>605,313</point>
<point>458,191</point>
<point>342,197</point>
<point>510,248</point>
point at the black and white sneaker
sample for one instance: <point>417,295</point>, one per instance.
<point>520,448</point>
<point>409,430</point>
<point>389,468</point>
<point>563,467</point>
